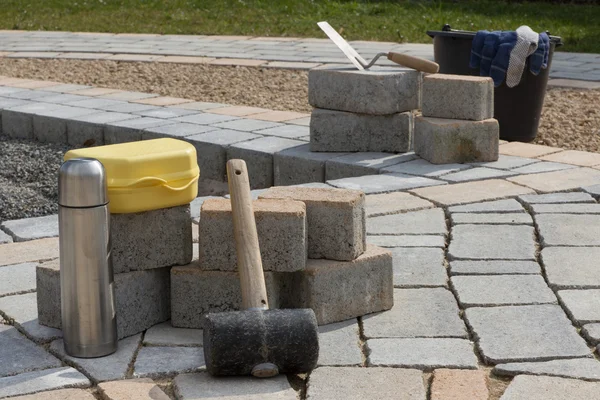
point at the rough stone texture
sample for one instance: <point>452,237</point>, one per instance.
<point>575,157</point>
<point>418,267</point>
<point>62,394</point>
<point>363,163</point>
<point>582,306</point>
<point>110,367</point>
<point>445,141</point>
<point>365,383</point>
<point>298,165</point>
<point>496,206</point>
<point>138,389</point>
<point>407,240</point>
<point>166,335</point>
<point>339,131</point>
<point>496,290</point>
<point>281,228</point>
<point>521,149</point>
<point>422,167</point>
<point>525,333</point>
<point>18,278</point>
<point>578,368</point>
<point>544,166</point>
<point>393,203</point>
<point>557,198</point>
<point>417,313</point>
<point>35,250</point>
<point>31,228</point>
<point>565,208</point>
<point>378,90</point>
<point>458,97</point>
<point>258,155</point>
<point>507,162</point>
<point>485,242</point>
<point>178,129</point>
<point>22,311</point>
<point>51,126</point>
<point>17,122</point>
<point>470,192</point>
<point>160,361</point>
<point>549,388</point>
<point>568,179</point>
<point>476,174</point>
<point>568,229</point>
<point>205,386</point>
<point>38,381</point>
<point>494,267</point>
<point>492,218</point>
<point>339,344</point>
<point>89,129</point>
<point>430,221</point>
<point>452,384</point>
<point>593,190</point>
<point>142,298</point>
<point>335,220</point>
<point>19,354</point>
<point>4,238</point>
<point>151,239</point>
<point>384,183</point>
<point>572,267</point>
<point>591,332</point>
<point>130,130</point>
<point>422,353</point>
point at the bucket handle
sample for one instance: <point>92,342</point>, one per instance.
<point>164,183</point>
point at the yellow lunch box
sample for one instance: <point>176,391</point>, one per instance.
<point>146,175</point>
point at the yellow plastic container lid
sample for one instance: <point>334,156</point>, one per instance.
<point>146,175</point>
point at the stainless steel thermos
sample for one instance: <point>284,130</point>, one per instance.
<point>86,274</point>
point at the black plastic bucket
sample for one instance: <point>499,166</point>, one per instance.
<point>517,109</point>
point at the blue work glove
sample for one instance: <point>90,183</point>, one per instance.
<point>539,59</point>
<point>476,48</point>
<point>500,63</point>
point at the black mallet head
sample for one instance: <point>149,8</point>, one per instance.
<point>262,343</point>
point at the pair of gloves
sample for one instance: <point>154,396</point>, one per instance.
<point>501,54</point>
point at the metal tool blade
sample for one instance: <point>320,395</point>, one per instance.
<point>342,45</point>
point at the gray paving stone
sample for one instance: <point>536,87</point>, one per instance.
<point>111,367</point>
<point>384,183</point>
<point>485,242</point>
<point>494,290</point>
<point>63,98</point>
<point>557,198</point>
<point>578,368</point>
<point>476,174</point>
<point>494,267</point>
<point>285,131</point>
<point>129,107</point>
<point>582,306</point>
<point>130,130</point>
<point>591,332</point>
<point>407,240</point>
<point>472,97</point>
<point>196,204</point>
<point>544,166</point>
<point>5,238</point>
<point>159,361</point>
<point>430,312</point>
<point>339,344</point>
<point>8,103</point>
<point>38,381</point>
<point>247,125</point>
<point>17,122</point>
<point>175,129</point>
<point>19,354</point>
<point>205,386</point>
<point>492,218</point>
<point>431,221</point>
<point>365,383</point>
<point>128,96</point>
<point>68,87</point>
<point>96,103</point>
<point>31,228</point>
<point>51,126</point>
<point>17,278</point>
<point>258,155</point>
<point>22,310</point>
<point>90,127</point>
<point>4,90</point>
<point>363,163</point>
<point>566,208</point>
<point>29,94</point>
<point>507,162</point>
<point>165,112</point>
<point>549,388</point>
<point>394,203</point>
<point>572,267</point>
<point>593,190</point>
<point>166,335</point>
<point>568,229</point>
<point>205,118</point>
<point>199,105</point>
<point>418,267</point>
<point>422,167</point>
<point>212,148</point>
<point>525,333</point>
<point>298,165</point>
<point>422,353</point>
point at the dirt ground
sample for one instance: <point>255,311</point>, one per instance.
<point>570,118</point>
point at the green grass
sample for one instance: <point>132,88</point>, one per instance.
<point>396,21</point>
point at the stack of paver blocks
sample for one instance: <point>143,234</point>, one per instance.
<point>145,245</point>
<point>313,250</point>
<point>367,111</point>
<point>457,124</point>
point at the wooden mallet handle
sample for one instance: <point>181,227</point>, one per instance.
<point>418,63</point>
<point>252,278</point>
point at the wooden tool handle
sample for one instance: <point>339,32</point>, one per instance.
<point>252,278</point>
<point>418,63</point>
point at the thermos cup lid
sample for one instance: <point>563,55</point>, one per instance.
<point>82,183</point>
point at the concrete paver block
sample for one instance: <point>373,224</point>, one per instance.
<point>155,362</point>
<point>571,267</point>
<point>488,242</point>
<point>166,334</point>
<point>495,206</point>
<point>393,203</point>
<point>18,278</point>
<point>142,389</point>
<point>60,394</point>
<point>592,332</point>
<point>568,229</point>
<point>32,228</point>
<point>549,388</point>
<point>298,165</point>
<point>383,183</point>
<point>175,129</point>
<point>578,368</point>
<point>558,198</point>
<point>458,97</point>
<point>39,381</point>
<point>339,344</point>
<point>340,131</point>
<point>130,130</point>
<point>582,306</point>
<point>445,141</point>
<point>5,238</point>
<point>89,129</point>
<point>430,221</point>
<point>422,167</point>
<point>19,354</point>
<point>17,122</point>
<point>492,218</point>
<point>562,180</point>
<point>51,126</point>
<point>335,220</point>
<point>494,267</point>
<point>418,267</point>
<point>407,240</point>
<point>378,90</point>
<point>363,163</point>
<point>282,235</point>
<point>476,174</point>
<point>22,311</point>
<point>453,384</point>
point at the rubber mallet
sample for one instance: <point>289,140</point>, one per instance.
<point>256,341</point>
